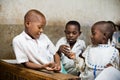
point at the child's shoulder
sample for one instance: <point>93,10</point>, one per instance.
<point>19,37</point>
<point>62,39</point>
<point>80,41</point>
<point>105,48</point>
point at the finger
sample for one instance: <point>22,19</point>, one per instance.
<point>66,51</point>
<point>50,69</point>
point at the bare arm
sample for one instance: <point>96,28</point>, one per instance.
<point>33,65</point>
<point>57,61</point>
<point>38,66</point>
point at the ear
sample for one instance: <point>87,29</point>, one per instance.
<point>27,23</point>
<point>105,38</point>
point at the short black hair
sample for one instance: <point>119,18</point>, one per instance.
<point>113,25</point>
<point>76,23</point>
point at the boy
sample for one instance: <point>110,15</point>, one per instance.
<point>70,43</point>
<point>100,54</point>
<point>33,48</point>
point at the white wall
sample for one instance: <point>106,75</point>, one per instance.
<point>85,11</point>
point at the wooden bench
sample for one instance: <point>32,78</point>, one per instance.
<point>15,72</point>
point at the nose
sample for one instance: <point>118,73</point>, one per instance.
<point>71,35</point>
<point>41,30</point>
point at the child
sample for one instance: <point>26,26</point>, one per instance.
<point>111,41</point>
<point>116,38</point>
<point>100,54</point>
<point>115,41</point>
<point>32,47</point>
<point>70,43</point>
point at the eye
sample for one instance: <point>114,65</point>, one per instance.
<point>74,33</point>
<point>40,27</point>
<point>67,32</point>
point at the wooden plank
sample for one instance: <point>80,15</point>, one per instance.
<point>14,72</point>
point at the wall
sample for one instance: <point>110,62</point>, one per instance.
<point>58,13</point>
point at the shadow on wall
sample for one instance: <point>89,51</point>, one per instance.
<point>7,34</point>
<point>54,32</point>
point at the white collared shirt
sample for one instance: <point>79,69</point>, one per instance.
<point>78,48</point>
<point>39,51</point>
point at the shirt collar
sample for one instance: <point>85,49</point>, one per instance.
<point>26,35</point>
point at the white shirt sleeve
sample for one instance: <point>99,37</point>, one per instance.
<point>19,53</point>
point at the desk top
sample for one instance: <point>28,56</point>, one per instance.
<point>15,72</point>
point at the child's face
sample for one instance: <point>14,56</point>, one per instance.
<point>34,29</point>
<point>72,33</point>
<point>97,35</point>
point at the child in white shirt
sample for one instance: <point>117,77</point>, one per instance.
<point>32,47</point>
<point>70,43</point>
<point>116,38</point>
<point>100,54</point>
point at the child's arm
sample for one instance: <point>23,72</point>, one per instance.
<point>109,65</point>
<point>31,65</point>
<point>78,61</point>
<point>57,61</point>
<point>116,62</point>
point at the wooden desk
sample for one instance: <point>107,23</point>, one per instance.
<point>14,72</point>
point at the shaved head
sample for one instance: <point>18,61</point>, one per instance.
<point>34,22</point>
<point>105,27</point>
<point>33,16</point>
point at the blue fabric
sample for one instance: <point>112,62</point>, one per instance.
<point>94,72</point>
<point>119,39</point>
<point>63,69</point>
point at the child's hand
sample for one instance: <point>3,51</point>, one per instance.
<point>50,66</point>
<point>64,49</point>
<point>53,67</point>
<point>57,68</point>
<point>71,55</point>
<point>108,65</point>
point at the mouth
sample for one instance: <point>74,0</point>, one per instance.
<point>38,34</point>
<point>70,40</point>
